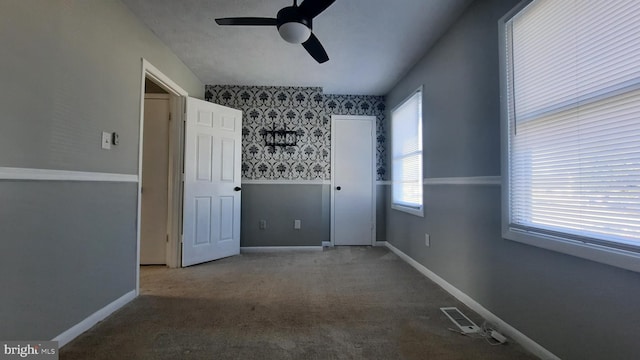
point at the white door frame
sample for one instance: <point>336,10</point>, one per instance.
<point>177,106</point>
<point>372,119</point>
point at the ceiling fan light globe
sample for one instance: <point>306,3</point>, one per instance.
<point>294,32</point>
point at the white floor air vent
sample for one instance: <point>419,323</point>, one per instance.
<point>464,323</point>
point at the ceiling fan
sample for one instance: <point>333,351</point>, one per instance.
<point>294,24</point>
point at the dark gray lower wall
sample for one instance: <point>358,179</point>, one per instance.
<point>577,309</point>
<point>67,250</point>
<point>281,204</point>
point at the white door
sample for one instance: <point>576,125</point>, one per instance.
<point>155,180</point>
<point>353,186</point>
<point>212,159</point>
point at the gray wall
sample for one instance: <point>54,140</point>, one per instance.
<point>70,70</point>
<point>280,205</point>
<point>67,249</point>
<point>572,307</point>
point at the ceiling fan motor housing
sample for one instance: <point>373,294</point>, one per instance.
<point>293,26</point>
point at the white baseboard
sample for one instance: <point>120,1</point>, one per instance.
<point>326,244</point>
<point>86,324</point>
<point>257,249</point>
<point>380,243</point>
<point>501,325</point>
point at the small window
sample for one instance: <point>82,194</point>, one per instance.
<point>571,108</point>
<point>406,143</point>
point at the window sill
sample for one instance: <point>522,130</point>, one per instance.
<point>627,260</point>
<point>413,211</point>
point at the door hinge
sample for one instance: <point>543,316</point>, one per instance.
<point>167,237</point>
<point>169,116</point>
<point>182,239</point>
<point>182,177</point>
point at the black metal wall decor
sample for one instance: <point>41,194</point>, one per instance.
<point>281,138</point>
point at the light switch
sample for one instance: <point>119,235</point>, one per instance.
<point>297,224</point>
<point>106,140</point>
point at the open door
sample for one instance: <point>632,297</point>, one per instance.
<point>212,159</point>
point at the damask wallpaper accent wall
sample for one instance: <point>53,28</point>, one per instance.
<point>306,110</point>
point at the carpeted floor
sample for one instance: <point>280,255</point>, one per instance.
<point>341,303</point>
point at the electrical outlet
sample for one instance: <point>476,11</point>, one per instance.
<point>262,224</point>
<point>427,240</point>
<point>297,224</point>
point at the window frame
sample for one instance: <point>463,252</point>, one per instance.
<point>417,211</point>
<point>566,244</point>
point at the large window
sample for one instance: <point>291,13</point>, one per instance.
<point>571,110</point>
<point>406,143</point>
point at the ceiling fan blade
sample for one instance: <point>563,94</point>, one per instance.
<point>315,49</point>
<point>312,8</point>
<point>247,21</point>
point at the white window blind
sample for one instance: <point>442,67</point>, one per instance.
<point>406,143</point>
<point>573,86</point>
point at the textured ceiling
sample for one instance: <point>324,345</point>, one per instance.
<point>371,43</point>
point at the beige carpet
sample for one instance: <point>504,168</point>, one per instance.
<point>342,303</point>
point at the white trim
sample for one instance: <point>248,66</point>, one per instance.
<point>161,79</point>
<point>383,182</point>
<point>286,182</point>
<point>623,259</point>
<point>417,211</point>
<point>174,190</point>
<point>9,173</point>
<point>269,249</point>
<point>502,326</point>
<point>326,244</point>
<point>380,243</point>
<point>175,91</point>
<point>470,180</point>
<point>157,96</point>
<point>86,324</point>
<point>373,120</point>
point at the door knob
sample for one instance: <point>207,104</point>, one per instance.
<point>338,188</point>
<point>237,188</point>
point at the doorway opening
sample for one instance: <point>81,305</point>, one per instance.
<point>154,238</point>
<point>160,158</point>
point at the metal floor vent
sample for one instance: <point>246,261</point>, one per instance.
<point>464,323</point>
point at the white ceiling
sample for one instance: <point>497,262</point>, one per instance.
<point>371,43</point>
